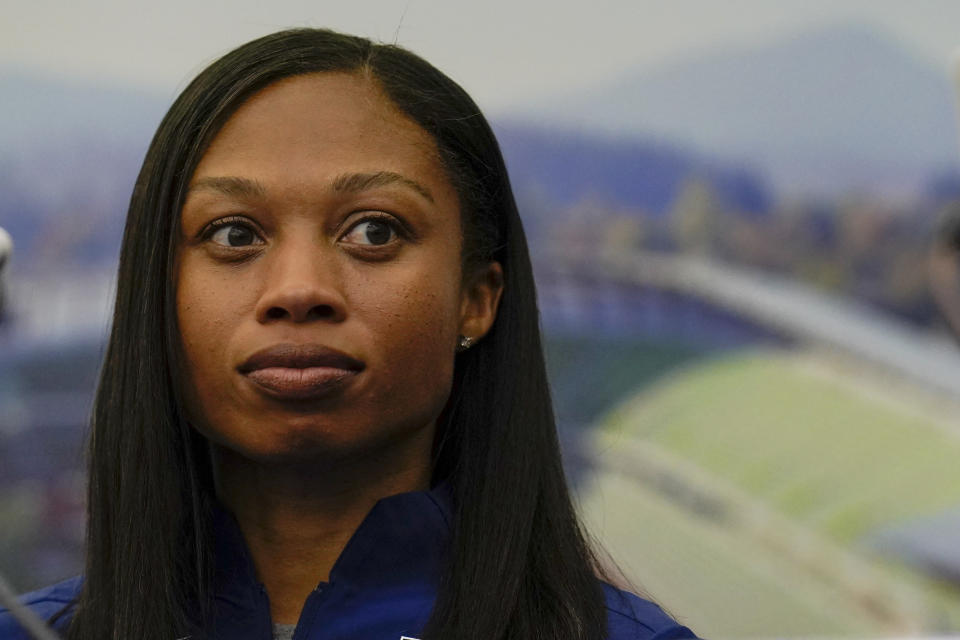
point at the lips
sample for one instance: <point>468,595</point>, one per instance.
<point>299,371</point>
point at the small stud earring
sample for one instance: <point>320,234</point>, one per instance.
<point>464,343</point>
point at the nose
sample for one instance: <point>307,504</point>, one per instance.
<point>303,285</point>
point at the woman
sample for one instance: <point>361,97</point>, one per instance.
<point>325,369</point>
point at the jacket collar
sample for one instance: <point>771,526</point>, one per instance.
<point>402,540</point>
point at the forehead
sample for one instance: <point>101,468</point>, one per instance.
<point>317,125</point>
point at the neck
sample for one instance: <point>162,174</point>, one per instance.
<point>296,517</point>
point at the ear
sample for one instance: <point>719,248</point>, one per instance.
<point>480,300</point>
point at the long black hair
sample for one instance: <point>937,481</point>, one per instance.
<point>518,565</point>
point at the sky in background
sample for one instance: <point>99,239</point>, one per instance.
<point>505,52</point>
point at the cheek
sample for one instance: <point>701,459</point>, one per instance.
<point>416,336</point>
<point>197,324</point>
<point>206,307</point>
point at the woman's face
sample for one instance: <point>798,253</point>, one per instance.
<point>319,285</point>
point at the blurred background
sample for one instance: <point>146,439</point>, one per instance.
<point>744,223</point>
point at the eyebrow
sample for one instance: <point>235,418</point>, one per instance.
<point>231,186</point>
<point>348,182</point>
<point>353,182</point>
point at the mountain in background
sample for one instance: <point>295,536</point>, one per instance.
<point>828,110</point>
<point>560,169</point>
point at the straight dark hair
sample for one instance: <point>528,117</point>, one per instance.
<point>518,566</point>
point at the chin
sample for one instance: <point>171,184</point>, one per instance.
<point>316,441</point>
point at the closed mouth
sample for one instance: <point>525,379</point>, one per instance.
<point>300,356</point>
<point>300,372</point>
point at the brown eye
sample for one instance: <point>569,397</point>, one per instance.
<point>235,235</point>
<point>371,232</point>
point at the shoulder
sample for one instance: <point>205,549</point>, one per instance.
<point>630,617</point>
<point>45,603</point>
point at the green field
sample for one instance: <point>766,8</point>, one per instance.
<point>809,460</point>
<point>719,583</point>
<point>822,450</point>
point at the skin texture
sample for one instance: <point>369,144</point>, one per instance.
<point>296,260</point>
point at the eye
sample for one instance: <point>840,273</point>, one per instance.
<point>372,232</point>
<point>233,233</point>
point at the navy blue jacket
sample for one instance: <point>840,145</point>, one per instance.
<point>381,588</point>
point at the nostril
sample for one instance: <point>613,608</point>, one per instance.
<point>321,312</point>
<point>316,312</point>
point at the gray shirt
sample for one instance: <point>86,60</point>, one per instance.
<point>283,631</point>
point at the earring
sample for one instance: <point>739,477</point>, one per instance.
<point>464,343</point>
